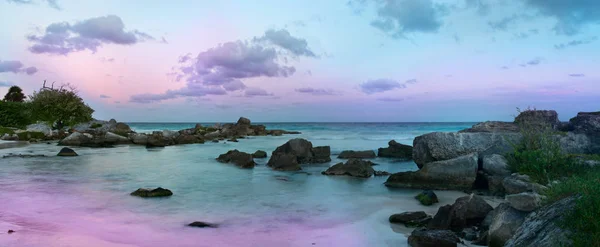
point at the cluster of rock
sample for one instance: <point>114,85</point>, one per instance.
<point>106,134</point>
<point>289,156</point>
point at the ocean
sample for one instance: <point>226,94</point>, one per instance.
<point>85,201</point>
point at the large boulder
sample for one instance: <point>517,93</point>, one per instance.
<point>116,139</point>
<point>240,159</point>
<point>495,165</point>
<point>321,154</point>
<point>188,139</point>
<point>466,211</point>
<point>427,197</point>
<point>541,228</point>
<point>433,238</point>
<point>505,221</point>
<point>349,154</point>
<point>396,150</point>
<point>40,127</point>
<point>353,167</point>
<point>525,201</point>
<point>453,174</point>
<point>536,119</point>
<point>243,121</point>
<point>304,152</point>
<point>492,126</point>
<point>438,146</point>
<point>76,139</point>
<point>284,162</point>
<point>156,139</point>
<point>411,219</point>
<point>586,123</point>
<point>516,183</point>
<point>138,138</point>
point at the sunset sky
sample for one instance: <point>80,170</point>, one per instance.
<point>287,61</point>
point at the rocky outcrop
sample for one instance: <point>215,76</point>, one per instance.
<point>156,139</point>
<point>67,152</point>
<point>439,146</point>
<point>303,152</point>
<point>465,212</point>
<point>492,126</point>
<point>453,174</point>
<point>588,124</point>
<point>541,228</point>
<point>113,138</point>
<point>240,159</point>
<point>538,119</point>
<point>158,192</point>
<point>411,219</point>
<point>505,222</point>
<point>349,154</point>
<point>284,162</point>
<point>525,201</point>
<point>259,154</point>
<point>396,150</point>
<point>433,238</point>
<point>352,167</point>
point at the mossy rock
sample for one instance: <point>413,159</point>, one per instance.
<point>28,135</point>
<point>95,126</point>
<point>427,198</point>
<point>158,192</point>
<point>4,130</point>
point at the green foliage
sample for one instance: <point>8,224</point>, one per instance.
<point>15,114</point>
<point>583,221</point>
<point>27,135</point>
<point>4,130</point>
<point>14,94</point>
<point>95,125</point>
<point>62,107</point>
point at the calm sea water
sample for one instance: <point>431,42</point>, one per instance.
<point>84,200</point>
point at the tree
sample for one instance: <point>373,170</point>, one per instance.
<point>15,94</point>
<point>60,107</point>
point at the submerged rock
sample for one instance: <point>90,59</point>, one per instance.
<point>201,224</point>
<point>396,150</point>
<point>349,154</point>
<point>240,159</point>
<point>259,154</point>
<point>67,152</point>
<point>158,192</point>
<point>427,198</point>
<point>352,167</point>
<point>11,155</point>
<point>411,219</point>
<point>433,238</point>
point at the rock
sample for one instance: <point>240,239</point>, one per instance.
<point>116,139</point>
<point>112,121</point>
<point>468,234</point>
<point>232,140</point>
<point>427,198</point>
<point>525,201</point>
<point>66,152</point>
<point>466,211</point>
<point>259,154</point>
<point>411,219</point>
<point>201,224</point>
<point>121,128</point>
<point>188,139</point>
<point>515,184</point>
<point>170,134</point>
<point>40,127</point>
<point>213,135</point>
<point>538,119</point>
<point>494,184</point>
<point>487,221</point>
<point>438,146</point>
<point>454,174</point>
<point>578,143</point>
<point>586,123</point>
<point>482,240</point>
<point>10,231</point>
<point>353,167</point>
<point>76,139</point>
<point>275,132</point>
<point>156,139</point>
<point>138,138</point>
<point>495,165</point>
<point>321,154</point>
<point>433,238</point>
<point>284,162</point>
<point>240,159</point>
<point>505,222</point>
<point>381,173</point>
<point>158,192</point>
<point>348,154</point>
<point>541,228</point>
<point>492,126</point>
<point>243,121</point>
<point>396,150</point>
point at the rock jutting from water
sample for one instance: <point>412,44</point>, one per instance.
<point>240,159</point>
<point>158,192</point>
<point>201,224</point>
<point>349,154</point>
<point>289,156</point>
<point>396,150</point>
<point>66,152</point>
<point>352,167</point>
<point>411,219</point>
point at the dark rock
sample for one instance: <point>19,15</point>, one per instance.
<point>243,121</point>
<point>492,126</point>
<point>284,162</point>
<point>505,222</point>
<point>348,154</point>
<point>588,123</point>
<point>215,141</point>
<point>381,173</point>
<point>433,238</point>
<point>352,167</point>
<point>542,227</point>
<point>411,219</point>
<point>11,231</point>
<point>158,192</point>
<point>321,154</point>
<point>232,140</point>
<point>482,240</point>
<point>201,224</point>
<point>67,152</point>
<point>469,234</point>
<point>259,154</point>
<point>122,128</point>
<point>538,119</point>
<point>240,159</point>
<point>188,139</point>
<point>427,198</point>
<point>76,139</point>
<point>156,139</point>
<point>454,174</point>
<point>466,211</point>
<point>396,150</point>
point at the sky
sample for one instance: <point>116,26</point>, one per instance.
<point>308,61</point>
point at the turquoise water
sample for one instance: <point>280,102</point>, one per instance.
<point>84,200</point>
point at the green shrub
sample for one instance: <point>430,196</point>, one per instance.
<point>95,125</point>
<point>4,130</point>
<point>583,220</point>
<point>60,107</point>
<point>15,114</point>
<point>27,135</point>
